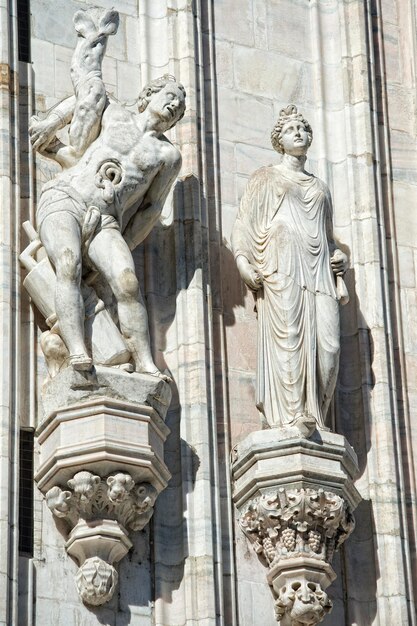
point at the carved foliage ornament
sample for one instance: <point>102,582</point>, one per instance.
<point>296,526</point>
<point>299,521</point>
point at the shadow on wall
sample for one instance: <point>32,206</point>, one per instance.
<point>354,592</point>
<point>169,260</point>
<point>185,242</point>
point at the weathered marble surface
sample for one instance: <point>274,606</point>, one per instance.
<point>316,54</point>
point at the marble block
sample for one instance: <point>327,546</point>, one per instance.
<point>103,422</point>
<point>280,457</point>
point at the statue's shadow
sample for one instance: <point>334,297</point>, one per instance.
<point>166,265</point>
<point>354,591</point>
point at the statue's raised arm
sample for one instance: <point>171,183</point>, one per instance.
<point>84,111</point>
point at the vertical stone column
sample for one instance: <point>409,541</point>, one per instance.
<point>368,409</point>
<point>9,312</point>
<point>188,558</point>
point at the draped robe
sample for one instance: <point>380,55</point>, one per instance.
<point>284,229</point>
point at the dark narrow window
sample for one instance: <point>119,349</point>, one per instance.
<point>23,29</point>
<point>26,493</point>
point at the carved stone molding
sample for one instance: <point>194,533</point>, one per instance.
<point>100,466</point>
<point>117,497</point>
<point>296,499</point>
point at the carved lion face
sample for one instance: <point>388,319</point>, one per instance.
<point>304,602</point>
<point>119,486</point>
<point>84,484</point>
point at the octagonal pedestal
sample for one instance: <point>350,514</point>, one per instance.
<point>100,465</point>
<point>296,497</point>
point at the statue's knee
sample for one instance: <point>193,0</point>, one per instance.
<point>127,286</point>
<point>68,266</point>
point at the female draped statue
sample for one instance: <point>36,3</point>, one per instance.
<point>285,252</point>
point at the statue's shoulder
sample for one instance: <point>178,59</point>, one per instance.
<point>116,112</point>
<point>323,186</point>
<point>172,156</point>
<point>266,171</point>
<point>262,176</point>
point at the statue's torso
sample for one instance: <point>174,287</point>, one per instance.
<point>289,227</point>
<point>138,156</point>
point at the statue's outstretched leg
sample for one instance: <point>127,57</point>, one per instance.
<point>111,256</point>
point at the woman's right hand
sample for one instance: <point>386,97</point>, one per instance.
<point>252,278</point>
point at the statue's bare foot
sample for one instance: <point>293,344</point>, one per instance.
<point>81,362</point>
<point>125,367</point>
<point>157,373</point>
<point>162,376</point>
<point>306,424</point>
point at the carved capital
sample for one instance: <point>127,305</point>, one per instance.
<point>295,533</point>
<point>85,447</point>
<point>297,522</point>
<point>100,511</point>
<point>117,497</point>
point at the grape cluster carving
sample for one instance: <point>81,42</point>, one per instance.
<point>295,522</point>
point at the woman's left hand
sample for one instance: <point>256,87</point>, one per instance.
<point>339,262</point>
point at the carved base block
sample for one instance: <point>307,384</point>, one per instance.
<point>100,465</point>
<point>279,457</point>
<point>104,423</point>
<point>295,497</point>
<point>96,546</point>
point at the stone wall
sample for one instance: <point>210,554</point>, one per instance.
<point>349,66</point>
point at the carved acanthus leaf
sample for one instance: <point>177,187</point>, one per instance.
<point>300,521</point>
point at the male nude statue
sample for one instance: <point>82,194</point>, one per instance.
<point>117,171</point>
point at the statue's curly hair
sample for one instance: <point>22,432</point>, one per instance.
<point>286,115</point>
<point>154,86</point>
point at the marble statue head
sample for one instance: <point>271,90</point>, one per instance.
<point>290,118</point>
<point>166,95</point>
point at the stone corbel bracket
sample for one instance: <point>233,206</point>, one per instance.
<point>100,465</point>
<point>296,499</point>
